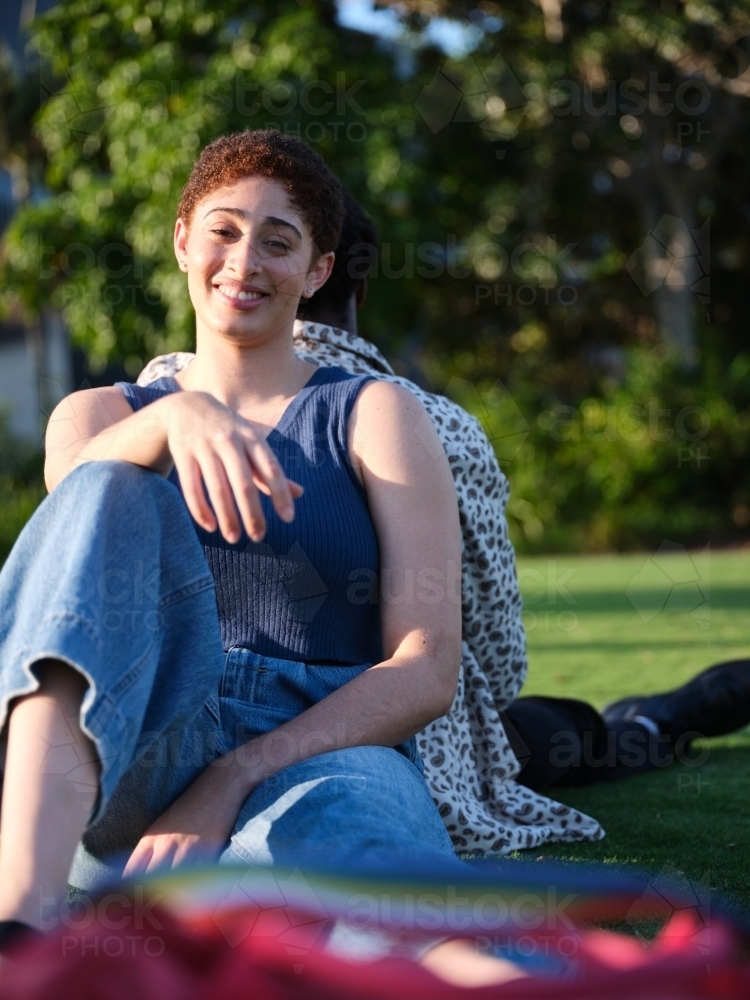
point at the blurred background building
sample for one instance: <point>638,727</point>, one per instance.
<point>38,363</point>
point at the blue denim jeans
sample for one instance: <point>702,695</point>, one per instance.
<point>108,576</point>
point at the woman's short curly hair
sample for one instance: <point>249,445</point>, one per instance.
<point>312,187</point>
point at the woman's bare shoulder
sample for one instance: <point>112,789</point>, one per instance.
<point>87,407</point>
<point>391,431</point>
<point>76,419</point>
<point>379,399</point>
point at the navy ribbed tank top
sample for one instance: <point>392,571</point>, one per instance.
<point>308,591</point>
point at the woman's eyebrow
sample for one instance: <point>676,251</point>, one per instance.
<point>269,219</point>
<point>229,211</point>
<point>272,220</point>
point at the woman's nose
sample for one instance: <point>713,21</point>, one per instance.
<point>245,257</point>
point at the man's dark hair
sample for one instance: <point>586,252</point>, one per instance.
<point>351,265</point>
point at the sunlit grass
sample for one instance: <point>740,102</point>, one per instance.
<point>587,639</point>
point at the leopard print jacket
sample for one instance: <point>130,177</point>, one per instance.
<point>469,765</point>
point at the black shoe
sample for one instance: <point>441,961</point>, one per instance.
<point>13,934</point>
<point>715,702</point>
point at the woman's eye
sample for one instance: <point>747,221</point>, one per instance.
<point>223,232</point>
<point>277,244</point>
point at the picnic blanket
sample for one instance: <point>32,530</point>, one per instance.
<point>288,934</point>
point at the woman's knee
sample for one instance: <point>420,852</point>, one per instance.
<point>116,490</point>
<point>366,781</point>
<point>93,479</point>
<point>350,802</point>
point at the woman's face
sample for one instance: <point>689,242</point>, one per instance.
<point>249,258</point>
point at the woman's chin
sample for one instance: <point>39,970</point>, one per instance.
<point>245,328</point>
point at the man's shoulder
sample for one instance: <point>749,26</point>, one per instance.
<point>342,347</point>
<point>165,366</point>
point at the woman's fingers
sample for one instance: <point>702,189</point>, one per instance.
<point>266,469</point>
<point>139,860</point>
<point>231,463</point>
<point>220,494</point>
<point>244,489</point>
<point>159,852</point>
<point>154,852</point>
<point>229,479</point>
<point>294,488</point>
<point>191,483</point>
<point>163,855</point>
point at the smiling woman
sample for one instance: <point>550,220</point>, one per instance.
<point>295,248</point>
<point>249,262</point>
<point>231,692</point>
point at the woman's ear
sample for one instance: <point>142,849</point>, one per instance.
<point>318,274</point>
<point>180,243</point>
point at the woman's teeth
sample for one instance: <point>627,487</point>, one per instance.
<point>232,293</point>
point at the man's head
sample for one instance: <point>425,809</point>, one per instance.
<point>336,303</point>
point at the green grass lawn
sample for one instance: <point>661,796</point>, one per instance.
<point>601,627</point>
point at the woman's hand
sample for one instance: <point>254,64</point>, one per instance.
<point>196,827</point>
<point>213,446</point>
<point>213,449</point>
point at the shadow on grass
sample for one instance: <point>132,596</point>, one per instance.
<point>729,598</point>
<point>692,820</point>
<point>636,646</point>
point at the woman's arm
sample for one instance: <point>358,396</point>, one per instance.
<point>413,505</point>
<point>97,424</point>
<point>213,449</point>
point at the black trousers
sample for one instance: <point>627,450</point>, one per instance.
<point>563,742</point>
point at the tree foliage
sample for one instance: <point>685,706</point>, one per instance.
<point>563,210</point>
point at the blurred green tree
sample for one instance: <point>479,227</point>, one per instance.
<point>564,210</point>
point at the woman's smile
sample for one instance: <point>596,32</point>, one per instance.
<point>238,296</point>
